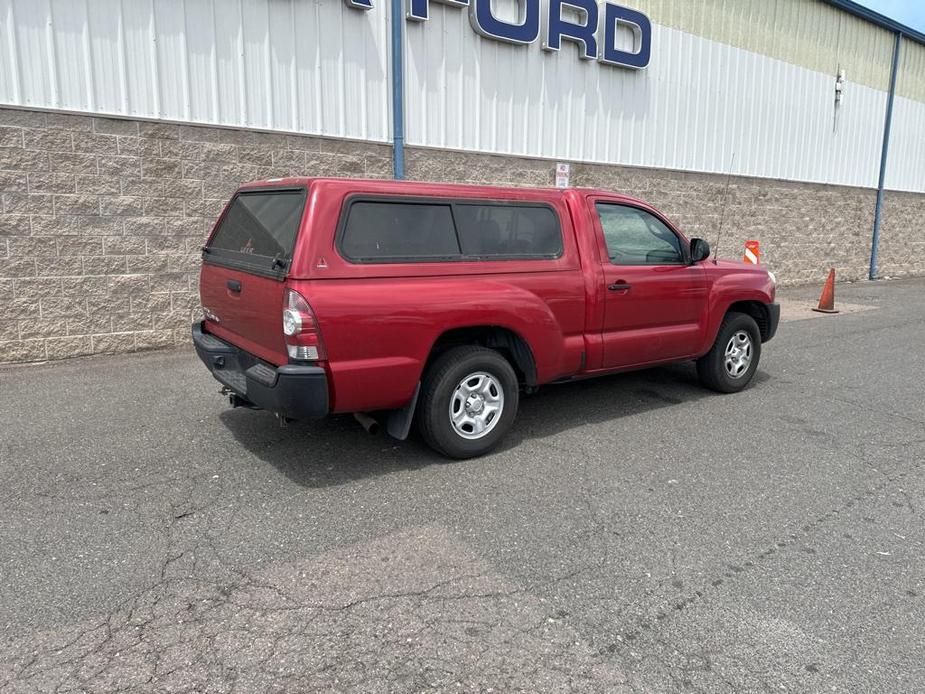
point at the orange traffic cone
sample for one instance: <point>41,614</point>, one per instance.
<point>827,300</point>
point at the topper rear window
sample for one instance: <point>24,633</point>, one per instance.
<point>258,231</point>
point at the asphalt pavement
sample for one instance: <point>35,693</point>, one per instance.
<point>635,533</point>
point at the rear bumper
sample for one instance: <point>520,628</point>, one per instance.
<point>292,391</point>
<point>773,319</point>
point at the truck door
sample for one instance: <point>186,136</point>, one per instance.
<point>654,298</point>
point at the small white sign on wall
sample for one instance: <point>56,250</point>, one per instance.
<point>562,173</point>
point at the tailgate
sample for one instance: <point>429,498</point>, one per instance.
<point>244,268</point>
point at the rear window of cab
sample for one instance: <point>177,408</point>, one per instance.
<point>414,230</point>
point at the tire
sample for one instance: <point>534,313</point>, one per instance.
<point>716,370</point>
<point>492,400</point>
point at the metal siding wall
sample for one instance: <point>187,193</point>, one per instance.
<point>309,67</point>
<point>810,33</point>
<point>911,77</point>
<point>697,103</point>
<point>906,163</point>
<point>322,68</point>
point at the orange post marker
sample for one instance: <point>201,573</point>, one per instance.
<point>752,253</point>
<point>827,300</point>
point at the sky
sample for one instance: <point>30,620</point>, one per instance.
<point>908,12</point>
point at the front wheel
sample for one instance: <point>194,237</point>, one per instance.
<point>468,401</point>
<point>731,363</point>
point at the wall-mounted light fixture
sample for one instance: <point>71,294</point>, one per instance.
<point>839,89</point>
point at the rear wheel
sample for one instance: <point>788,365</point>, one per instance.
<point>731,363</point>
<point>469,401</point>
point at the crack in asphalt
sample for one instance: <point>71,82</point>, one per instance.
<point>128,650</point>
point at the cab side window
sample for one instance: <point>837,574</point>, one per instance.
<point>635,237</point>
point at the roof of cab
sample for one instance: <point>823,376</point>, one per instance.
<point>380,185</point>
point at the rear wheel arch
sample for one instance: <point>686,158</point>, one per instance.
<point>510,344</point>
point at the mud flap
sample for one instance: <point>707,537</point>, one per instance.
<point>399,424</point>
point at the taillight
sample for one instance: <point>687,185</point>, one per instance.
<point>300,328</point>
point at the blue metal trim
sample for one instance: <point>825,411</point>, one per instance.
<point>398,91</point>
<point>878,19</point>
<point>887,126</point>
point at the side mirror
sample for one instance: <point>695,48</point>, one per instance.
<point>700,250</point>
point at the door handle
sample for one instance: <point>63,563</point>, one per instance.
<point>234,286</point>
<point>620,286</point>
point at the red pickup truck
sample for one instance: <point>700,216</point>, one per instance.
<point>440,303</point>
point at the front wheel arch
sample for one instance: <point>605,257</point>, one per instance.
<point>759,313</point>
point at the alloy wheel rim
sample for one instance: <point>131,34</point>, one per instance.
<point>476,405</point>
<point>738,356</point>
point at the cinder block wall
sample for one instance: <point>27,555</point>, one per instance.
<point>804,228</point>
<point>102,219</point>
<point>902,235</point>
